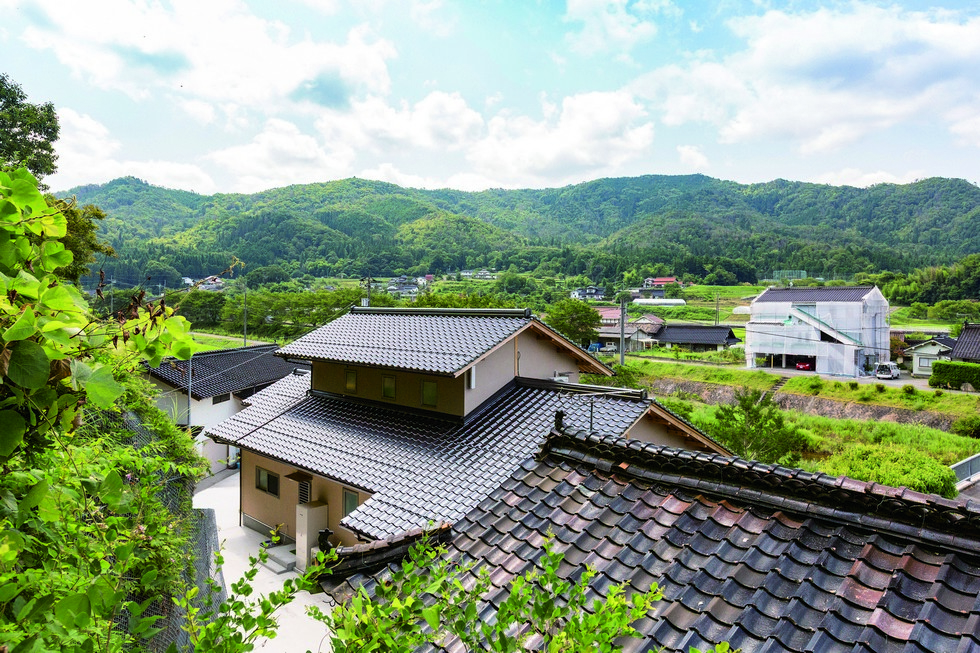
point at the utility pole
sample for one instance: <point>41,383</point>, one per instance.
<point>717,309</point>
<point>368,279</point>
<point>245,314</point>
<point>622,330</point>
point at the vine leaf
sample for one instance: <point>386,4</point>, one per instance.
<point>12,430</point>
<point>102,389</point>
<point>29,365</point>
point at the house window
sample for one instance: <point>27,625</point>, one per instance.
<point>267,481</point>
<point>388,386</point>
<point>351,381</point>
<point>220,399</point>
<point>429,393</point>
<point>350,501</point>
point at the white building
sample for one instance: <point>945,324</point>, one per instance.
<point>839,330</point>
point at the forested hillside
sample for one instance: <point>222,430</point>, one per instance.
<point>691,225</point>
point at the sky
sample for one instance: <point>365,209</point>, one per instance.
<point>245,95</point>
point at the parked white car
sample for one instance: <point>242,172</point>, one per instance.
<point>887,371</point>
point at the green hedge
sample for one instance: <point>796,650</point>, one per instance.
<point>953,374</point>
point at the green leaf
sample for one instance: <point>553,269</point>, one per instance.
<point>24,327</point>
<point>101,389</point>
<point>33,497</point>
<point>73,610</point>
<point>431,615</point>
<point>29,365</point>
<point>110,490</point>
<point>12,430</point>
<point>54,255</point>
<point>57,299</point>
<point>26,284</point>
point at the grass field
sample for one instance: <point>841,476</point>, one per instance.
<point>951,403</point>
<point>734,376</point>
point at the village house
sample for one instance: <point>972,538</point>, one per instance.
<point>761,557</point>
<point>696,337</point>
<point>589,293</point>
<point>841,330</point>
<point>212,386</point>
<point>412,416</point>
<point>926,353</point>
<point>967,348</point>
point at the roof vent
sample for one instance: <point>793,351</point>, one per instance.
<point>299,371</point>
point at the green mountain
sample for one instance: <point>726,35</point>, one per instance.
<point>687,224</point>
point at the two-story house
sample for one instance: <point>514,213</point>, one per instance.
<point>412,416</point>
<point>837,330</point>
<point>212,386</point>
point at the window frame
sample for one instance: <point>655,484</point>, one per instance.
<point>385,378</point>
<point>220,399</point>
<point>348,493</point>
<point>434,394</point>
<point>269,475</point>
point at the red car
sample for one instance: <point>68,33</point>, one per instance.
<point>804,366</point>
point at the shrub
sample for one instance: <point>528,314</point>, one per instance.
<point>938,393</point>
<point>816,385</point>
<point>866,395</point>
<point>967,426</point>
<point>893,465</point>
<point>909,389</point>
<point>953,374</point>
<point>853,385</point>
<point>838,385</point>
<point>880,387</point>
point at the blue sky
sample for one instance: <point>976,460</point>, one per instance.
<point>244,95</point>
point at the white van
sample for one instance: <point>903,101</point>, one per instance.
<point>887,371</point>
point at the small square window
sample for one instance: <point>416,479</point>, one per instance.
<point>267,481</point>
<point>220,399</point>
<point>388,387</point>
<point>350,501</point>
<point>429,393</point>
<point>352,381</point>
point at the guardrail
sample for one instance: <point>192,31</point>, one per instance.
<point>967,467</point>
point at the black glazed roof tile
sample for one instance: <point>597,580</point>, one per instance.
<point>810,581</point>
<point>411,463</point>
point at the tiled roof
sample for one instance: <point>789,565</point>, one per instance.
<point>968,344</point>
<point>696,334</point>
<point>419,467</point>
<point>762,557</point>
<point>943,341</point>
<point>429,340</point>
<point>816,294</point>
<point>224,370</point>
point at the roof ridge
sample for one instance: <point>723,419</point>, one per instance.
<point>955,523</point>
<point>447,312</point>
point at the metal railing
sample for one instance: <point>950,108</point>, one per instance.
<point>967,467</point>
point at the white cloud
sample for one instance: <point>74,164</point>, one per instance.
<point>202,112</point>
<point>433,17</point>
<point>593,133</point>
<point>86,155</point>
<point>606,24</point>
<point>282,155</point>
<point>216,51</point>
<point>863,179</point>
<point>691,157</point>
<point>438,121</point>
<point>826,78</point>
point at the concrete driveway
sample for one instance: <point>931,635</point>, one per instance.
<point>297,632</point>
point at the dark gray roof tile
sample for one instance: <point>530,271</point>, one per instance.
<point>438,342</point>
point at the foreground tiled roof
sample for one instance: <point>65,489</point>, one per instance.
<point>765,558</point>
<point>968,344</point>
<point>696,334</point>
<point>419,467</point>
<point>816,294</point>
<point>430,340</point>
<point>224,370</point>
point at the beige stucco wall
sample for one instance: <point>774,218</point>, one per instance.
<point>540,359</point>
<point>332,377</point>
<point>651,429</point>
<point>267,509</point>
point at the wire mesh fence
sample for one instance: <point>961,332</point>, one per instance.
<point>199,526</point>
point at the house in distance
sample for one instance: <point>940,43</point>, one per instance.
<point>835,330</point>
